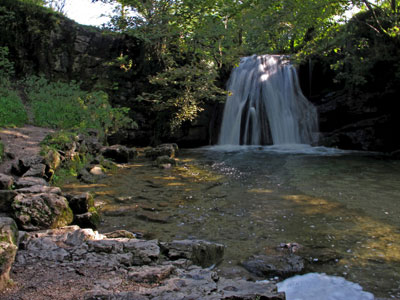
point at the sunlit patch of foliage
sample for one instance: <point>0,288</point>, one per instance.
<point>65,106</point>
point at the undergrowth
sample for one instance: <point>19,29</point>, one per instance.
<point>66,106</point>
<point>12,111</point>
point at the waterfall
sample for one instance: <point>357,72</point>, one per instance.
<point>266,106</point>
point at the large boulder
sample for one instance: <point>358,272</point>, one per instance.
<point>8,248</point>
<point>119,153</point>
<point>200,252</point>
<point>41,211</point>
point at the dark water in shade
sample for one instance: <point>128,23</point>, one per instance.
<point>342,206</point>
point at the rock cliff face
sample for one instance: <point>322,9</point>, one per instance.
<point>361,119</point>
<point>43,42</point>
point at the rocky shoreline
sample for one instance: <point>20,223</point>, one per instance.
<point>46,258</point>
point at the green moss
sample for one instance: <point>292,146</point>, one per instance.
<point>65,218</point>
<point>95,216</point>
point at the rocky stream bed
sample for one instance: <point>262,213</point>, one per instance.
<point>42,256</point>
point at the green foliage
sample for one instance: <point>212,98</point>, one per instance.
<point>60,140</point>
<point>6,67</point>
<point>64,141</point>
<point>357,51</point>
<point>65,106</point>
<point>181,92</point>
<point>12,111</point>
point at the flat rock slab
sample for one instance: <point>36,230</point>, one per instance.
<point>88,265</point>
<point>25,182</point>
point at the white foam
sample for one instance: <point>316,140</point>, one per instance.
<point>322,287</point>
<point>280,149</point>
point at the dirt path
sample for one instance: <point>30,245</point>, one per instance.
<point>21,142</point>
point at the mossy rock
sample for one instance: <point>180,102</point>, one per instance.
<point>41,211</point>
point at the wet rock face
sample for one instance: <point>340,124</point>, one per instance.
<point>41,211</point>
<point>8,248</point>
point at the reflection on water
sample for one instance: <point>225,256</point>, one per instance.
<point>341,206</point>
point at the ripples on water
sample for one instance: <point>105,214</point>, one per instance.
<point>342,206</point>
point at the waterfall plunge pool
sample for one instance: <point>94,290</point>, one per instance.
<point>341,206</point>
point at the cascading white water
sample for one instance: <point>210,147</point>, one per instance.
<point>266,105</point>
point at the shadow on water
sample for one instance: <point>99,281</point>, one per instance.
<point>341,206</point>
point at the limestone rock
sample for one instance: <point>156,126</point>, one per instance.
<point>274,265</point>
<point>37,170</point>
<point>200,252</point>
<point>119,153</point>
<point>144,252</point>
<point>6,182</point>
<point>150,274</point>
<point>8,248</point>
<point>38,189</point>
<point>25,163</point>
<point>24,182</point>
<point>41,211</point>
<point>96,171</point>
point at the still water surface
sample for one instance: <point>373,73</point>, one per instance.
<point>343,207</point>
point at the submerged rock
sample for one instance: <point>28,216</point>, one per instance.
<point>8,248</point>
<point>162,161</point>
<point>41,211</point>
<point>274,265</point>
